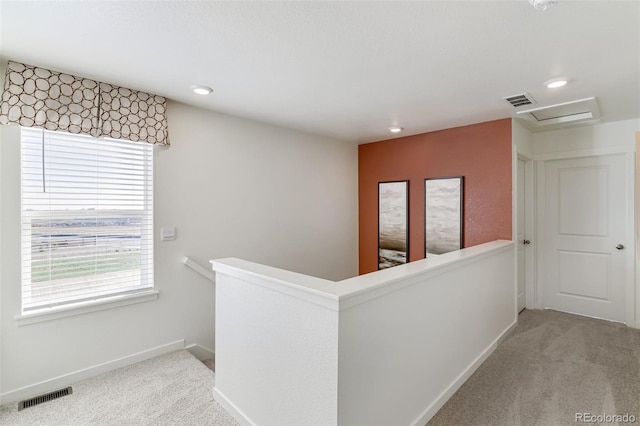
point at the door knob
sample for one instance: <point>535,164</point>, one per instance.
<point>526,242</point>
<point>619,246</point>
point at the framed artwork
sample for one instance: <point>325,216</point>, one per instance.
<point>443,214</point>
<point>393,223</point>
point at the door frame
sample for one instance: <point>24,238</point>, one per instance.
<point>630,316</point>
<point>637,228</point>
<point>529,227</point>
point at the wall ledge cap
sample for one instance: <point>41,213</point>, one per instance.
<point>346,293</point>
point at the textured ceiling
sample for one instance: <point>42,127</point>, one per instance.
<point>343,69</point>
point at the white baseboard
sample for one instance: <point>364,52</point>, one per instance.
<point>201,352</point>
<point>231,408</point>
<point>432,409</point>
<point>76,376</point>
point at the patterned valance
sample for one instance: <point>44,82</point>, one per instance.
<point>37,97</point>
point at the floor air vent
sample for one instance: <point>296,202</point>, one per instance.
<point>31,402</point>
<point>519,100</point>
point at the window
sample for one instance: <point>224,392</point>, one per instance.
<point>87,221</point>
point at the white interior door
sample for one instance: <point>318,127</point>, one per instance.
<point>521,236</point>
<point>586,208</point>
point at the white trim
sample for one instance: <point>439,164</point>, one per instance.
<point>636,224</point>
<point>592,116</point>
<point>530,230</point>
<point>523,150</point>
<point>315,290</point>
<point>199,269</point>
<point>591,152</point>
<point>231,408</point>
<point>587,316</point>
<point>49,314</point>
<point>436,405</point>
<point>341,295</point>
<point>85,373</point>
<point>630,243</point>
<point>201,352</point>
<point>541,259</point>
<point>514,220</point>
<point>424,269</point>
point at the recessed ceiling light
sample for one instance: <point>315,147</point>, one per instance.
<point>556,82</point>
<point>395,129</point>
<point>201,90</point>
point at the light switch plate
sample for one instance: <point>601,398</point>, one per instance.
<point>168,233</point>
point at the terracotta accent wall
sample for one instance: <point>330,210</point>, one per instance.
<point>480,152</point>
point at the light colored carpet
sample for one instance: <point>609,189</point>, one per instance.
<point>552,366</point>
<point>172,389</point>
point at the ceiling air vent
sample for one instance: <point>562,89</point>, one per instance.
<point>582,111</point>
<point>519,100</point>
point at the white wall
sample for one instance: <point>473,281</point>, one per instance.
<point>232,187</point>
<point>385,348</point>
<point>1,210</point>
<point>277,358</point>
<point>586,138</point>
<point>522,138</point>
<point>244,189</point>
<point>405,351</point>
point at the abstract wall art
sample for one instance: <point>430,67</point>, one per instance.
<point>393,223</point>
<point>443,212</point>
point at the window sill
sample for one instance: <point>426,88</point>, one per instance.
<point>49,314</point>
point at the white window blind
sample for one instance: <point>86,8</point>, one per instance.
<point>87,218</point>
